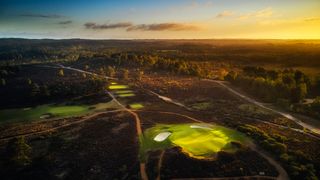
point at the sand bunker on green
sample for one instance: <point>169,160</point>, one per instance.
<point>201,141</point>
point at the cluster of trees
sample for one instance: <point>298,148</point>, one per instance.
<point>35,52</point>
<point>311,109</point>
<point>65,89</point>
<point>19,152</point>
<point>20,162</point>
<point>200,69</point>
<point>297,164</point>
<point>107,71</point>
<point>264,139</point>
<point>271,85</point>
<point>123,73</point>
<point>31,90</point>
<point>7,72</point>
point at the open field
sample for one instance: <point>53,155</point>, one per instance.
<point>94,119</point>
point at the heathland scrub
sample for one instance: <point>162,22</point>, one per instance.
<point>197,140</point>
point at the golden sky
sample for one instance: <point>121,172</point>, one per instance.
<point>165,19</point>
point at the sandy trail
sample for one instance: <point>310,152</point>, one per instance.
<point>143,173</point>
<point>306,125</point>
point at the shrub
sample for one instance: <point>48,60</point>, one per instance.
<point>19,152</point>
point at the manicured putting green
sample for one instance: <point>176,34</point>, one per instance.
<point>201,141</point>
<point>115,87</point>
<point>124,91</point>
<point>127,95</point>
<point>136,106</point>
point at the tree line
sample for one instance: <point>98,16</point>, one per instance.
<point>200,69</point>
<point>274,86</point>
<point>29,91</point>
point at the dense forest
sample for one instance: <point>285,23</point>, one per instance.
<point>287,88</point>
<point>285,53</point>
<point>25,86</point>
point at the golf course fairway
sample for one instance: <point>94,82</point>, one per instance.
<point>200,141</point>
<point>49,110</point>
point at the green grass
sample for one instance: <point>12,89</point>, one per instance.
<point>202,142</point>
<point>127,95</point>
<point>116,87</point>
<point>136,106</point>
<point>124,92</point>
<point>56,111</point>
<point>16,115</point>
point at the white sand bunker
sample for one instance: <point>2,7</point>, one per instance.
<point>162,136</point>
<point>200,127</point>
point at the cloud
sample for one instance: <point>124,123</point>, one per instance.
<point>162,27</point>
<point>65,22</point>
<point>50,16</point>
<point>92,25</point>
<point>142,27</point>
<point>263,13</point>
<point>224,14</point>
<point>312,19</point>
<point>196,4</point>
<point>286,21</point>
<point>192,5</point>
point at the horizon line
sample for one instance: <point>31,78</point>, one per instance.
<point>123,39</point>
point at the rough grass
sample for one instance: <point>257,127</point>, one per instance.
<point>201,105</point>
<point>253,109</point>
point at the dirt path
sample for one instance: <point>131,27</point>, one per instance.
<point>160,164</point>
<point>143,173</point>
<point>284,114</point>
<point>167,99</point>
<point>282,173</point>
<point>135,115</point>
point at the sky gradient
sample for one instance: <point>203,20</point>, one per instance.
<point>165,19</point>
